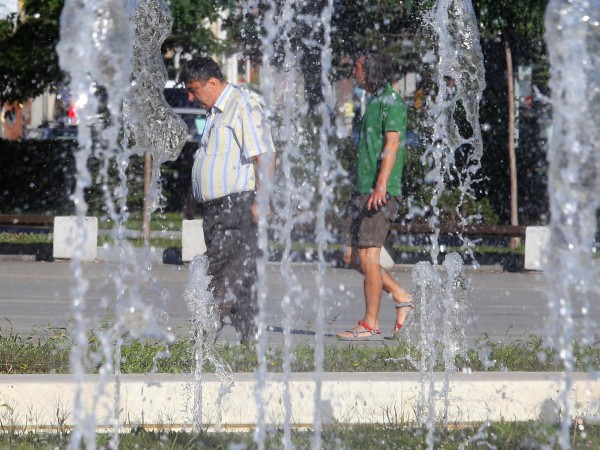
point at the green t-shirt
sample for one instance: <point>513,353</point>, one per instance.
<point>385,112</point>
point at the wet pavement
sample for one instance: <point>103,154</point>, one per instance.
<point>37,297</point>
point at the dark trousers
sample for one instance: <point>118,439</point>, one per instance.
<point>231,238</point>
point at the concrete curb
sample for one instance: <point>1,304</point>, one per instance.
<point>167,401</point>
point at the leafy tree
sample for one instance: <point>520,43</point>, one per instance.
<point>192,21</point>
<point>27,50</point>
<point>28,42</point>
<point>247,28</point>
<point>519,25</point>
<point>356,26</point>
<point>377,25</point>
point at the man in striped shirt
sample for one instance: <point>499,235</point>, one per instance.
<point>233,163</point>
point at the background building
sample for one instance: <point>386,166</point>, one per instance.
<point>8,7</point>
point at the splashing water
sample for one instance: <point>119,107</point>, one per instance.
<point>106,36</point>
<point>455,307</point>
<point>151,125</point>
<point>573,42</point>
<point>94,43</point>
<point>461,81</point>
<point>305,189</point>
<point>329,172</point>
<point>280,28</point>
<point>205,320</point>
<point>261,289</point>
<point>441,305</point>
<point>103,49</point>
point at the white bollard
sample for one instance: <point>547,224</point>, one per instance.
<point>63,241</point>
<point>536,247</point>
<point>192,239</point>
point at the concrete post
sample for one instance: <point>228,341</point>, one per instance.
<point>536,246</point>
<point>63,243</point>
<point>192,239</point>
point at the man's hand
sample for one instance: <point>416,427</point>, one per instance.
<point>377,199</point>
<point>255,211</point>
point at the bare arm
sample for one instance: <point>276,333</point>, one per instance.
<point>388,159</point>
<point>264,167</point>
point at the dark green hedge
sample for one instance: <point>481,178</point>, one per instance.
<point>37,177</point>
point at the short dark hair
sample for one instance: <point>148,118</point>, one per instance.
<point>379,70</point>
<point>200,69</point>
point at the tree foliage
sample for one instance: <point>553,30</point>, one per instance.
<point>356,26</point>
<point>248,28</point>
<point>28,42</point>
<point>191,25</point>
<point>361,25</point>
<point>27,50</point>
<point>520,22</point>
<point>515,28</point>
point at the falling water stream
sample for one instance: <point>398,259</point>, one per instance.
<point>289,137</point>
<point>304,192</point>
<point>279,27</point>
<point>440,293</point>
<point>205,319</point>
<point>329,171</point>
<point>573,42</point>
<point>459,60</point>
<point>93,31</point>
<point>113,56</point>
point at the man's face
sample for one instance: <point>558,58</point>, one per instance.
<point>202,91</point>
<point>359,72</point>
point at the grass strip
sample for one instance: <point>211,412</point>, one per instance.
<point>48,352</point>
<point>394,434</point>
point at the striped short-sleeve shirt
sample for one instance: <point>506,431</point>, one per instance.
<point>236,132</point>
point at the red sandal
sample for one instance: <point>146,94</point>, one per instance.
<point>400,326</point>
<point>366,333</point>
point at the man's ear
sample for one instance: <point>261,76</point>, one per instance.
<point>212,82</point>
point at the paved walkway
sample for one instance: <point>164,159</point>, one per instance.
<point>36,296</point>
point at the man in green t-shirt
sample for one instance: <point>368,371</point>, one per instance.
<point>377,190</point>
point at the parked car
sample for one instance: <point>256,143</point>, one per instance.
<point>192,114</point>
<point>58,132</point>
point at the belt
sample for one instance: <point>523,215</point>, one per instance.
<point>229,200</point>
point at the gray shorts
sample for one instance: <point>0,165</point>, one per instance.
<point>368,228</point>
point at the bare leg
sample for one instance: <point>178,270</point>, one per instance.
<point>398,294</point>
<point>352,258</point>
<point>369,258</point>
<point>366,261</point>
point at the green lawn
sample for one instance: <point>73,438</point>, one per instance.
<point>390,435</point>
<point>47,351</point>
